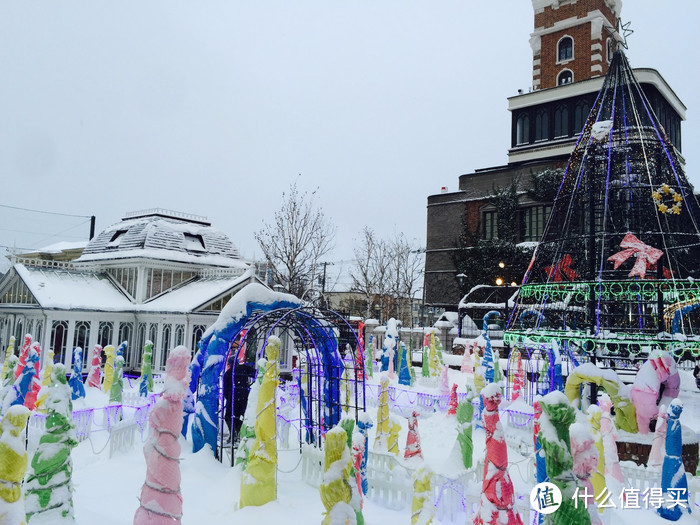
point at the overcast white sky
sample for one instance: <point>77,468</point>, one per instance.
<point>214,107</point>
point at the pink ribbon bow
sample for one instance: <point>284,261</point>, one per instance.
<point>647,256</point>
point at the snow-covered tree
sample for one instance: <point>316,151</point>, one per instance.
<point>422,508</point>
<point>160,500</point>
<point>336,489</point>
<point>48,486</point>
<point>295,243</point>
<point>465,416</point>
<point>673,480</point>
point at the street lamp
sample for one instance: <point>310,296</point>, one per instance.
<point>499,281</point>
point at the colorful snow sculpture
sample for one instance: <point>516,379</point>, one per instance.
<point>557,416</point>
<point>364,423</point>
<point>109,369</point>
<point>659,369</point>
<point>259,483</point>
<point>48,486</point>
<point>45,382</point>
<point>584,454</point>
<point>466,367</point>
<point>247,432</point>
<point>335,489</point>
<point>496,504</point>
<point>433,358</point>
<point>598,476</point>
<point>383,421</point>
<point>540,466</point>
<point>76,376</point>
<point>115,393</point>
<point>392,441</point>
<point>369,357</point>
<point>358,452</point>
<point>188,406</point>
<point>23,353</point>
<point>405,366</point>
<point>146,383</point>
<point>452,406</point>
<point>425,367</point>
<point>422,508</point>
<point>122,348</point>
<point>518,376</point>
<point>413,449</point>
<point>391,338</point>
<point>392,355</point>
<point>619,393</point>
<point>609,433</point>
<point>465,415</point>
<point>444,381</point>
<point>93,378</point>
<point>479,378</point>
<point>13,464</point>
<point>658,445</point>
<point>160,502</point>
<point>10,351</point>
<point>359,361</point>
<point>35,385</point>
<point>673,480</point>
<point>17,395</point>
<point>9,377</point>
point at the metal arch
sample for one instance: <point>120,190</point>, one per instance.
<point>322,338</point>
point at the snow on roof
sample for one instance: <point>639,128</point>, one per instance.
<point>165,237</point>
<point>83,290</point>
<point>62,246</point>
<point>71,290</point>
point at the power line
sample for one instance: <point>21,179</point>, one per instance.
<point>45,212</point>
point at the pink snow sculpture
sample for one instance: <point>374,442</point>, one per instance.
<point>658,369</point>
<point>467,367</point>
<point>391,373</point>
<point>33,392</point>
<point>161,502</point>
<point>93,378</point>
<point>658,446</point>
<point>518,377</point>
<point>413,449</point>
<point>452,407</point>
<point>496,504</point>
<point>585,457</point>
<point>608,431</point>
<point>26,345</point>
<point>445,381</point>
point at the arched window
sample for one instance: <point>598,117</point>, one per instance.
<point>565,77</point>
<point>542,125</point>
<point>565,49</point>
<point>81,337</point>
<point>561,121</point>
<point>522,129</point>
<point>580,115</point>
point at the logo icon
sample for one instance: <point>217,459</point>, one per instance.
<point>545,497</point>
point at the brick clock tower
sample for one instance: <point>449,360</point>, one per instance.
<point>572,40</point>
<point>572,45</point>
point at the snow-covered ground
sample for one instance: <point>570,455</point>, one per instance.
<point>106,490</point>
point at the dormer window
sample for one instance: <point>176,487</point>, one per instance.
<point>565,77</point>
<point>194,242</point>
<point>565,49</point>
<point>116,239</point>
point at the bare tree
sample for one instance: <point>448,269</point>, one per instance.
<point>407,269</point>
<point>297,240</point>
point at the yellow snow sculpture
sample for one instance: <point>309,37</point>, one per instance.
<point>625,413</point>
<point>598,477</point>
<point>392,441</point>
<point>335,488</point>
<point>434,361</point>
<point>422,509</point>
<point>45,382</point>
<point>381,440</point>
<point>13,464</point>
<point>109,369</point>
<point>259,482</point>
<point>6,364</point>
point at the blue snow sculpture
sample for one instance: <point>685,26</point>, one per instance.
<point>188,407</point>
<point>122,349</point>
<point>487,363</point>
<point>673,481</point>
<point>364,424</point>
<point>76,376</point>
<point>214,348</point>
<point>24,382</point>
<point>405,371</point>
